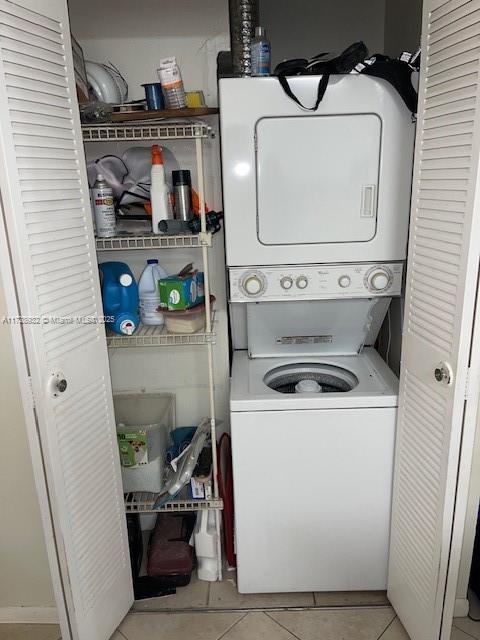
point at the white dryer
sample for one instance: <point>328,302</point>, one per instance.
<point>304,187</point>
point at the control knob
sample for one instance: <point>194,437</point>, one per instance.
<point>378,279</point>
<point>344,281</point>
<point>301,282</point>
<point>253,284</point>
<point>286,282</point>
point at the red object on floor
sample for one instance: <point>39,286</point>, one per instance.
<point>225,485</point>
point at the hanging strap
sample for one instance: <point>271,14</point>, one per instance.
<point>322,87</point>
<point>318,65</point>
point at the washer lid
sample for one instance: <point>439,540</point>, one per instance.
<point>310,377</point>
<point>313,327</point>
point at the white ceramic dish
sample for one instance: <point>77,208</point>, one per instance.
<point>105,83</point>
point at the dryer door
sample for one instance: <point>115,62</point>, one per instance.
<point>317,178</point>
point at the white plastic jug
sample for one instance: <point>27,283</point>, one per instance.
<point>205,538</point>
<point>149,293</point>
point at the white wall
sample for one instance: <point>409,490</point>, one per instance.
<point>307,27</point>
<point>135,39</point>
<point>135,35</point>
<point>403,25</point>
<point>24,573</point>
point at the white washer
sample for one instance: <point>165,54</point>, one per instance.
<point>312,472</point>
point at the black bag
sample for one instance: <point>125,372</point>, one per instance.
<point>320,65</point>
<point>397,72</point>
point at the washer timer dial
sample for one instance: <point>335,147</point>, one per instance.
<point>253,284</point>
<point>378,279</point>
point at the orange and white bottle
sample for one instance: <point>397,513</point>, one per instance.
<point>172,84</point>
<point>159,195</point>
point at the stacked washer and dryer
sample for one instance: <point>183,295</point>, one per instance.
<point>316,219</point>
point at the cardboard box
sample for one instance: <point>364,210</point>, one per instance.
<point>182,291</point>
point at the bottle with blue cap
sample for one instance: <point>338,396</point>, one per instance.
<point>261,53</point>
<point>149,293</point>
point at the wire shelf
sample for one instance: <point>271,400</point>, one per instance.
<point>155,336</point>
<point>153,131</point>
<point>122,243</point>
<point>142,502</point>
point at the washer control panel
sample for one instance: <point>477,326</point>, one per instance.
<point>315,282</point>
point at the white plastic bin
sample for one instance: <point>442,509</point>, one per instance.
<point>144,420</point>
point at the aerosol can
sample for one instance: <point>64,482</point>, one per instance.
<point>104,209</point>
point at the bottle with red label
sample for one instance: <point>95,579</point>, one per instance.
<point>103,208</point>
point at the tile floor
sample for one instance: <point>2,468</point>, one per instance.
<point>216,611</point>
<point>313,624</point>
<point>224,595</point>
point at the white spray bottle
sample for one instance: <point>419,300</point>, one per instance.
<point>159,195</point>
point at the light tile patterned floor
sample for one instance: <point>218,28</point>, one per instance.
<point>347,624</point>
<point>224,595</point>
<point>465,629</point>
<point>366,623</point>
<point>30,632</point>
<point>378,623</point>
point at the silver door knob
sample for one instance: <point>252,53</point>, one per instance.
<point>61,385</point>
<point>443,373</point>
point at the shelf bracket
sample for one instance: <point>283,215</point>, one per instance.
<point>205,239</point>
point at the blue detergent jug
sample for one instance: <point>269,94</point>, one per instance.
<point>120,297</point>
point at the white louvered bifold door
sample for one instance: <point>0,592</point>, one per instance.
<point>45,198</point>
<point>439,309</point>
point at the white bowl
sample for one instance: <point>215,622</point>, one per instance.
<point>102,82</point>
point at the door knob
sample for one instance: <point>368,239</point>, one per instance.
<point>61,385</point>
<point>443,373</point>
<point>57,384</point>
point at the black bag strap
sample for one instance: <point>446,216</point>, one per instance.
<point>343,63</point>
<point>322,87</point>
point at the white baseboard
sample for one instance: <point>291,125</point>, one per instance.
<point>28,615</point>
<point>461,608</point>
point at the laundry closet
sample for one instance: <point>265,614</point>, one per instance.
<point>299,358</point>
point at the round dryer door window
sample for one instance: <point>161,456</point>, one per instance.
<point>310,378</point>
